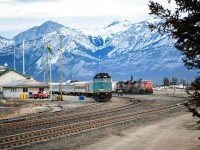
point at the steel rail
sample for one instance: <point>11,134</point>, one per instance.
<point>75,128</point>
<point>49,120</point>
<point>44,114</point>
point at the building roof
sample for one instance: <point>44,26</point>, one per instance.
<point>25,83</point>
<point>6,71</point>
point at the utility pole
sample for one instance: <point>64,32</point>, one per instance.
<point>61,68</point>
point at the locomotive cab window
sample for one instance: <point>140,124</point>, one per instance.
<point>102,80</point>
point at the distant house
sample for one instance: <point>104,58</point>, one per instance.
<point>7,76</point>
<point>25,86</point>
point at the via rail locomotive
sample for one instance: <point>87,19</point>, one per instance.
<point>100,88</point>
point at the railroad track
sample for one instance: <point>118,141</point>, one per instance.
<point>44,121</point>
<point>45,114</point>
<point>75,128</point>
<point>48,113</point>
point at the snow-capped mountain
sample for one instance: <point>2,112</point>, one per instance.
<point>5,42</point>
<point>121,49</point>
<point>37,32</point>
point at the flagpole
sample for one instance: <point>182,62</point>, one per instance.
<point>14,58</point>
<point>46,69</point>
<point>23,58</point>
<point>61,68</point>
<point>49,48</point>
<point>50,81</point>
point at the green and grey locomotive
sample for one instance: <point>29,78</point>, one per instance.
<point>102,87</point>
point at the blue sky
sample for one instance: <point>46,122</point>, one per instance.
<point>19,15</point>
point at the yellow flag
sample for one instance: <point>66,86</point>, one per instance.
<point>49,48</point>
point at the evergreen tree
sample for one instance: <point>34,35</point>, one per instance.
<point>131,78</point>
<point>166,82</point>
<point>183,24</point>
<point>174,81</point>
<point>183,82</point>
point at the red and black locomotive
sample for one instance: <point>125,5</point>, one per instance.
<point>135,87</point>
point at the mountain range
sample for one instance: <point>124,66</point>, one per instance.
<point>122,49</point>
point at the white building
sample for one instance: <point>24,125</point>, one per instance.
<point>13,84</point>
<point>7,76</point>
<point>25,86</point>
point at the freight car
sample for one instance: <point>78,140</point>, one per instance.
<point>135,87</point>
<point>100,88</point>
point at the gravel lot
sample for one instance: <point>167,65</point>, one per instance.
<point>166,131</point>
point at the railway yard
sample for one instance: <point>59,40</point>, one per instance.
<point>129,122</point>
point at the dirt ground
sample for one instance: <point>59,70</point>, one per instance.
<point>177,133</point>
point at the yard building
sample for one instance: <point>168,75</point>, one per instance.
<point>7,76</point>
<point>23,87</point>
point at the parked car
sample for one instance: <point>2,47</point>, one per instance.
<point>41,95</point>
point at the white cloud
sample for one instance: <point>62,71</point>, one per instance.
<point>23,14</point>
<point>64,8</point>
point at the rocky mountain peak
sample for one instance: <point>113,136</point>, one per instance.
<point>122,49</point>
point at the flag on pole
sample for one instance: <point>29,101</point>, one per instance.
<point>49,48</point>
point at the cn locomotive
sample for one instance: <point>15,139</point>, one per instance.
<point>134,87</point>
<point>100,88</point>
